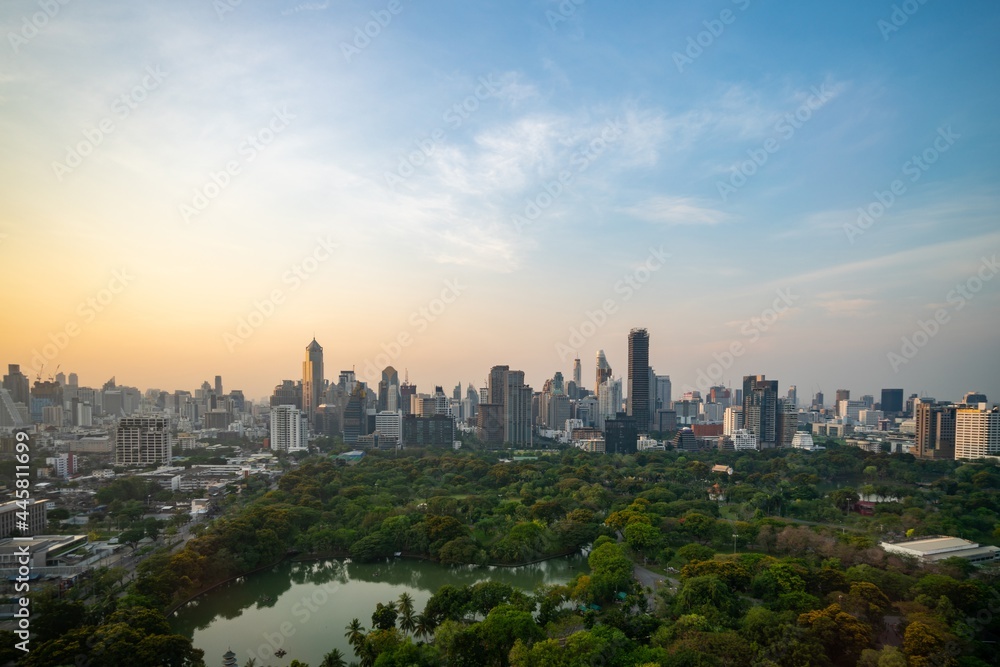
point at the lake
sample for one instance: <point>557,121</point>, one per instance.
<point>305,607</point>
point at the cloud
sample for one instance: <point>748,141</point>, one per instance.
<point>676,211</point>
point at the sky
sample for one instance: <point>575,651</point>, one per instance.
<point>803,190</point>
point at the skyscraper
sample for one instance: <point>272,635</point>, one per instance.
<point>286,429</point>
<point>638,378</point>
<point>663,392</point>
<point>977,433</point>
<point>507,389</point>
<point>603,371</point>
<point>760,409</point>
<point>389,396</point>
<point>793,396</point>
<point>935,430</point>
<point>312,380</point>
<point>218,385</point>
<point>577,373</point>
<point>17,384</point>
<point>842,395</point>
<point>892,401</point>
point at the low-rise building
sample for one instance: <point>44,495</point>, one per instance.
<point>939,547</point>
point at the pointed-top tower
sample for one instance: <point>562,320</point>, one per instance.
<point>312,379</point>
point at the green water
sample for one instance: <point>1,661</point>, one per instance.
<point>305,607</point>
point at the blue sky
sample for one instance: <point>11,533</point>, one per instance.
<point>624,148</point>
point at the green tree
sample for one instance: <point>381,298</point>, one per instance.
<point>842,635</point>
<point>355,634</point>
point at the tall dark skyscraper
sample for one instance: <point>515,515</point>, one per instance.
<point>760,409</point>
<point>638,378</point>
<point>312,380</point>
<point>17,384</point>
<point>892,401</point>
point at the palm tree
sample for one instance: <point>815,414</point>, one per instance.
<point>407,621</point>
<point>355,634</point>
<point>423,625</point>
<point>333,659</point>
<point>405,603</point>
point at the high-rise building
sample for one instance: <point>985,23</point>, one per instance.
<point>609,401</point>
<point>935,430</point>
<point>287,432</point>
<point>637,400</point>
<point>390,425</point>
<point>73,380</point>
<point>142,441</point>
<point>355,418</point>
<point>312,380</point>
<point>892,401</point>
<point>435,430</point>
<point>788,423</point>
<point>218,385</point>
<point>287,393</point>
<point>977,433</point>
<point>842,395</point>
<point>577,373</point>
<point>760,409</point>
<point>498,384</point>
<point>389,395</point>
<point>489,424</point>
<point>818,401</point>
<point>507,389</point>
<point>793,396</point>
<point>732,419</point>
<point>869,401</point>
<point>406,392</point>
<point>517,410</point>
<point>603,371</point>
<point>621,435</point>
<point>45,393</point>
<point>974,398</point>
<point>848,409</point>
<point>17,384</point>
<point>662,390</point>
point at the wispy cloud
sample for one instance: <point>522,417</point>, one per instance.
<point>677,211</point>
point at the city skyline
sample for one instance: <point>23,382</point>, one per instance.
<point>203,189</point>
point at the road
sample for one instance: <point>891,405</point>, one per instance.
<point>653,581</point>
